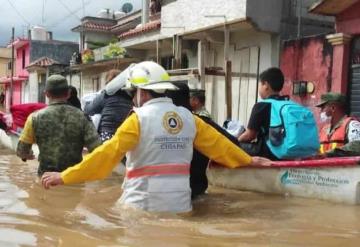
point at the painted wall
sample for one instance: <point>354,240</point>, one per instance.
<point>59,51</point>
<point>308,59</point>
<point>17,92</point>
<point>244,53</point>
<point>265,14</point>
<point>4,71</point>
<point>190,15</point>
<point>348,21</point>
<point>97,37</point>
<point>33,87</point>
<point>20,69</point>
<point>5,58</point>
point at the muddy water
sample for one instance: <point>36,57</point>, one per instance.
<point>87,215</point>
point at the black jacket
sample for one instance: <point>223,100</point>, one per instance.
<point>113,109</point>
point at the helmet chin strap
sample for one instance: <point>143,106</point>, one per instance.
<point>138,98</point>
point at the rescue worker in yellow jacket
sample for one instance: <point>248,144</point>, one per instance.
<point>158,140</point>
<point>341,131</point>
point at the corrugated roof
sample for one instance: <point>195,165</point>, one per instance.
<point>43,62</point>
<point>142,29</point>
<point>92,26</point>
<point>331,7</point>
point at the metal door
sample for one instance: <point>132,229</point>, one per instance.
<point>354,85</point>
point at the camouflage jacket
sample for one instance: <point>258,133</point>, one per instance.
<point>61,131</point>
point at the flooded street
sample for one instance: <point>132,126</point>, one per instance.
<point>87,215</point>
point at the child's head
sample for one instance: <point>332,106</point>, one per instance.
<point>271,82</point>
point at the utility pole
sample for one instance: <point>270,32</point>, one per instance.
<point>12,66</point>
<point>299,19</point>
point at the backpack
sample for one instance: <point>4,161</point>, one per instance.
<point>293,131</point>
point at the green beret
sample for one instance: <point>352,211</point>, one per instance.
<point>197,93</point>
<point>56,82</point>
<point>332,98</point>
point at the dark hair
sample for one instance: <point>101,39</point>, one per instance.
<point>180,97</point>
<point>274,77</point>
<point>73,99</point>
<point>155,94</point>
<point>201,98</point>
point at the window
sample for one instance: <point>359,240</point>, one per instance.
<point>155,7</point>
<point>23,59</point>
<point>9,65</point>
<point>355,54</point>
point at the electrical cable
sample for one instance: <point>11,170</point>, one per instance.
<point>18,12</point>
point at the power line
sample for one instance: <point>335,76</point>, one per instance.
<point>19,14</point>
<point>83,7</point>
<point>43,13</point>
<point>68,9</point>
<point>71,13</point>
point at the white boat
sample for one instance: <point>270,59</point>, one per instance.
<point>332,179</point>
<point>10,140</point>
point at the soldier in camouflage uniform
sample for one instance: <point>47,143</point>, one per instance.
<point>60,130</point>
<point>197,103</point>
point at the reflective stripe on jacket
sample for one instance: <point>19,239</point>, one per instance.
<point>336,138</point>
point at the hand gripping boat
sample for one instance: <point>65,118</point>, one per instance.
<point>331,179</point>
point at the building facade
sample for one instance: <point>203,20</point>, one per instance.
<point>326,62</point>
<point>27,85</point>
<point>219,46</point>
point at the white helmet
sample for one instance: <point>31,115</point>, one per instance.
<point>149,76</point>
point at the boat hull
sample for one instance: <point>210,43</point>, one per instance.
<point>336,184</point>
<point>10,140</point>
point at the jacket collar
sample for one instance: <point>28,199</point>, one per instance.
<point>158,100</point>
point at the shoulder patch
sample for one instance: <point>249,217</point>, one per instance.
<point>354,131</point>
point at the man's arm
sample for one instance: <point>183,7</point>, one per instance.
<point>91,137</point>
<point>220,149</point>
<point>248,136</point>
<point>258,118</point>
<point>99,163</point>
<point>96,106</point>
<point>23,149</point>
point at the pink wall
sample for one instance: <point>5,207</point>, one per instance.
<point>309,59</point>
<point>17,92</point>
<point>348,21</point>
<point>20,71</point>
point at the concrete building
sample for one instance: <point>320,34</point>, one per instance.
<point>98,32</point>
<point>27,85</point>
<point>327,62</point>
<point>5,62</point>
<point>228,43</point>
<point>220,46</point>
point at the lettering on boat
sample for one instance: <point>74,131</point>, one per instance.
<point>313,177</point>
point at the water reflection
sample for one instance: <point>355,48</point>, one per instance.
<point>87,215</point>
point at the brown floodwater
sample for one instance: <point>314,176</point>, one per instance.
<point>87,215</point>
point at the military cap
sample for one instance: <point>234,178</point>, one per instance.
<point>332,98</point>
<point>197,93</point>
<point>56,82</point>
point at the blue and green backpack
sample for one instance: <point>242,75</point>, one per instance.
<point>293,132</point>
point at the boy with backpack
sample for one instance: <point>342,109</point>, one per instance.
<point>279,128</point>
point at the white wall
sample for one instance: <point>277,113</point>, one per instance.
<point>244,56</point>
<point>97,37</point>
<point>187,15</point>
<point>33,87</point>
